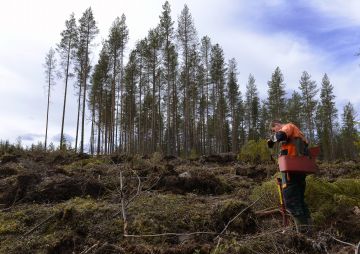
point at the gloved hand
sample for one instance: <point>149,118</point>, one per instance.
<point>270,143</point>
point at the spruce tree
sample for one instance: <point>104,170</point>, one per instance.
<point>264,121</point>
<point>349,133</point>
<point>308,92</point>
<point>328,116</point>
<point>294,114</point>
<point>234,94</point>
<point>276,96</point>
<point>252,108</point>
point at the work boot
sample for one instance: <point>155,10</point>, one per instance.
<point>303,224</point>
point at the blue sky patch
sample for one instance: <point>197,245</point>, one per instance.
<point>322,31</point>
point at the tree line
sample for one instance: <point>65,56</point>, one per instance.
<point>177,94</point>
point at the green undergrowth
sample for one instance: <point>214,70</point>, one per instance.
<point>78,219</point>
<point>88,163</point>
<point>255,152</point>
<point>325,199</point>
<point>162,213</point>
<point>81,222</point>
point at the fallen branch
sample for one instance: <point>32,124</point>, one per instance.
<point>267,212</point>
<point>243,210</point>
<point>90,249</point>
<point>40,224</point>
<point>172,234</point>
<point>345,243</point>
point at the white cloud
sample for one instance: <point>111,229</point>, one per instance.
<point>347,10</point>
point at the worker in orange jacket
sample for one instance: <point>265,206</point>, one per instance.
<point>293,143</point>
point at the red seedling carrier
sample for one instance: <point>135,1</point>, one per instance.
<point>305,164</point>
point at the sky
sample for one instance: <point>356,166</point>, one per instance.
<point>317,36</point>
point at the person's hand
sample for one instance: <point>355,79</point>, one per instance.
<point>270,143</point>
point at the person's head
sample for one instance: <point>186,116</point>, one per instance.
<point>275,125</point>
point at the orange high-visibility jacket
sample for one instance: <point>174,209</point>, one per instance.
<point>292,132</point>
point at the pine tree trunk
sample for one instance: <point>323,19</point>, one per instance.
<point>47,111</point>
<point>84,98</point>
<point>78,117</point>
<point>65,93</point>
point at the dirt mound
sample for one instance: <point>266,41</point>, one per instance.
<point>300,243</point>
<point>204,183</point>
<point>15,188</point>
<point>9,158</point>
<point>226,211</point>
<point>32,187</point>
<point>63,188</point>
<point>221,158</point>
<point>66,244</point>
<point>256,172</point>
<point>8,170</point>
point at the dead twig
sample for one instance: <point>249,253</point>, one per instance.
<point>123,203</point>
<point>138,190</point>
<point>133,197</point>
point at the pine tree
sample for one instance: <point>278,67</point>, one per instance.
<point>308,92</point>
<point>50,71</point>
<point>118,38</point>
<point>196,81</point>
<point>141,50</point>
<point>205,50</point>
<point>66,49</point>
<point>130,81</point>
<point>218,79</point>
<point>276,96</point>
<point>153,61</point>
<point>167,35</point>
<point>186,35</point>
<point>100,83</point>
<point>87,32</point>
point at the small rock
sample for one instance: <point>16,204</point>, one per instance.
<point>185,175</point>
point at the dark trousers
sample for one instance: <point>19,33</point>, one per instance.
<point>294,189</point>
